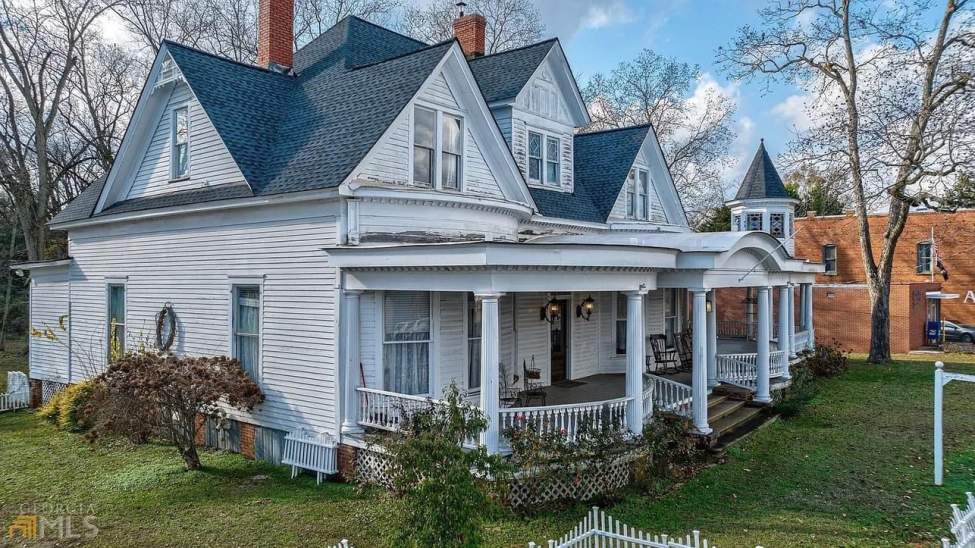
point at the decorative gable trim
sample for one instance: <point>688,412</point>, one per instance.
<point>556,66</point>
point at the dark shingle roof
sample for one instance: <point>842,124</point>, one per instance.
<point>502,75</point>
<point>761,180</point>
<point>184,197</point>
<point>602,162</point>
<point>304,131</point>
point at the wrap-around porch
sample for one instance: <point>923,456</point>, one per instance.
<point>553,346</point>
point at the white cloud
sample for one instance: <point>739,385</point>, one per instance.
<point>606,15</point>
<point>793,110</point>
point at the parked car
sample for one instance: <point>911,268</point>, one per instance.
<point>959,332</point>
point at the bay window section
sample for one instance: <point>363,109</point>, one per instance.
<point>424,143</point>
<point>453,143</point>
<point>534,157</point>
<point>406,342</point>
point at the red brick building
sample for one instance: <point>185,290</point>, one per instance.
<point>842,307</point>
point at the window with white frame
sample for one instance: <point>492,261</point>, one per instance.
<point>643,194</point>
<point>534,157</point>
<point>116,321</point>
<point>631,194</point>
<point>406,342</point>
<point>736,223</point>
<point>621,323</point>
<point>473,342</point>
<point>776,222</point>
<point>754,221</point>
<point>438,149</point>
<point>924,258</point>
<point>829,258</point>
<point>180,152</point>
<point>247,328</point>
<point>552,161</point>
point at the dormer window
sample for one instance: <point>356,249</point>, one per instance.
<point>638,194</point>
<point>180,153</point>
<point>552,161</point>
<point>544,166</point>
<point>631,194</point>
<point>534,157</point>
<point>438,149</point>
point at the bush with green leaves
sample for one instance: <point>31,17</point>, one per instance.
<point>66,408</point>
<point>666,450</point>
<point>826,361</point>
<point>446,489</point>
<point>801,390</point>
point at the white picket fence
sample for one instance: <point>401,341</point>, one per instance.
<point>599,529</point>
<point>308,450</point>
<point>670,396</point>
<point>17,395</point>
<point>344,543</point>
<point>962,525</point>
<point>568,419</point>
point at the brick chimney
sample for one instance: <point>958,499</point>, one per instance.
<point>275,34</point>
<point>470,31</point>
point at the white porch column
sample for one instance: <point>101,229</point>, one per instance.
<point>808,319</point>
<point>349,309</point>
<point>699,374</point>
<point>490,354</point>
<point>712,340</point>
<point>771,313</point>
<point>635,359</point>
<point>750,332</point>
<point>784,338</point>
<point>792,324</point>
<point>762,394</point>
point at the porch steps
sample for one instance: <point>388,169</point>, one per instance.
<point>758,421</point>
<point>739,416</point>
<point>722,409</point>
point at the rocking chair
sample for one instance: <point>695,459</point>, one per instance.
<point>664,360</point>
<point>685,351</point>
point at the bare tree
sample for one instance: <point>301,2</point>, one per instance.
<point>693,122</point>
<point>39,48</point>
<point>184,21</point>
<point>510,23</point>
<point>313,17</point>
<point>893,102</point>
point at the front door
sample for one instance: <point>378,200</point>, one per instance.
<point>560,342</point>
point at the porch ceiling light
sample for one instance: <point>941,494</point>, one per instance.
<point>585,309</point>
<point>550,312</point>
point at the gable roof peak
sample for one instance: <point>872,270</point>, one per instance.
<point>762,179</point>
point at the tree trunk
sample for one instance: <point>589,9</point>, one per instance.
<point>879,322</point>
<point>10,280</point>
<point>190,457</point>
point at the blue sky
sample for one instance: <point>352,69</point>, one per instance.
<point>598,35</point>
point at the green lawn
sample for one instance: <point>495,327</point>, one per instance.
<point>854,468</point>
<point>12,359</point>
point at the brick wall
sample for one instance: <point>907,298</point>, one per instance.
<point>346,461</point>
<point>953,234</point>
<point>470,31</point>
<point>36,392</point>
<point>275,32</point>
<point>247,432</point>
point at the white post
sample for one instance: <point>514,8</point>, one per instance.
<point>490,354</point>
<point>350,337</point>
<point>762,394</point>
<point>712,340</point>
<point>771,313</point>
<point>784,338</point>
<point>939,390</point>
<point>699,371</point>
<point>792,324</point>
<point>809,316</point>
<point>635,358</point>
<point>750,314</point>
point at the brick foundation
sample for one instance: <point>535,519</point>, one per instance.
<point>347,458</point>
<point>247,433</point>
<point>36,393</point>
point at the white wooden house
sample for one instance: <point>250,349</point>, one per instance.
<point>372,219</point>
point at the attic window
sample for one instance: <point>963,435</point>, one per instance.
<point>168,73</point>
<point>438,149</point>
<point>180,153</point>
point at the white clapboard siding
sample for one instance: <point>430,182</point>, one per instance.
<point>210,161</point>
<point>584,337</point>
<point>192,262</point>
<point>378,219</point>
<point>368,341</point>
<point>452,341</point>
<point>533,335</point>
<point>48,303</point>
<point>503,116</point>
<point>389,161</point>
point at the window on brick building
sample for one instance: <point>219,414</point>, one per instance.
<point>829,258</point>
<point>924,258</point>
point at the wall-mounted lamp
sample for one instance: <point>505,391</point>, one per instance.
<point>585,309</point>
<point>709,306</point>
<point>550,312</point>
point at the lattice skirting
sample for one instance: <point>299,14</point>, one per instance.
<point>50,388</point>
<point>373,467</point>
<point>586,484</point>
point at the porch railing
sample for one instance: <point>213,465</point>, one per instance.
<point>736,329</point>
<point>569,419</point>
<point>778,363</point>
<point>388,410</point>
<point>670,396</point>
<point>738,369</point>
<point>802,340</point>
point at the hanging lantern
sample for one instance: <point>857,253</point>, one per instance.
<point>550,312</point>
<point>585,309</point>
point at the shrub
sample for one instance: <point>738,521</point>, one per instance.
<point>827,361</point>
<point>801,390</point>
<point>163,395</point>
<point>667,451</point>
<point>445,488</point>
<point>66,408</point>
